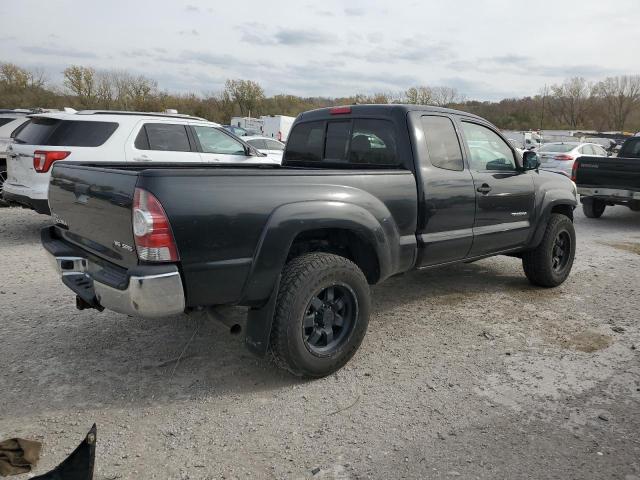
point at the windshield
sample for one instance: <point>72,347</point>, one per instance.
<point>557,147</point>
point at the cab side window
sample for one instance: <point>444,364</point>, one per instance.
<point>443,145</point>
<point>487,150</point>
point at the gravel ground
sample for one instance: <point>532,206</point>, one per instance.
<point>465,372</point>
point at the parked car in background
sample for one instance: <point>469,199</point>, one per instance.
<point>10,121</point>
<point>612,181</point>
<point>277,126</point>
<point>271,147</point>
<point>105,136</point>
<point>365,192</point>
<point>560,156</point>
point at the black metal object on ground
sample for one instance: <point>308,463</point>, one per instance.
<point>77,466</point>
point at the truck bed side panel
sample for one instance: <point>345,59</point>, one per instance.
<point>219,218</point>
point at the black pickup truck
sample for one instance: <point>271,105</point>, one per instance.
<point>609,180</point>
<point>364,193</point>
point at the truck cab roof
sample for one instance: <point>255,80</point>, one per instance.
<point>385,110</point>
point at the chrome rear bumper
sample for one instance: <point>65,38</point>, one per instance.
<point>612,193</point>
<point>148,296</point>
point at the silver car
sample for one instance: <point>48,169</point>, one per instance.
<point>560,156</point>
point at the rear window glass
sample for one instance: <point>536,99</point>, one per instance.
<point>631,149</point>
<point>273,145</point>
<point>557,147</point>
<point>167,137</point>
<point>367,142</point>
<point>68,133</point>
<point>37,131</point>
<point>337,141</point>
<point>4,121</point>
<point>258,143</point>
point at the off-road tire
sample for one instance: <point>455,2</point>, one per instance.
<point>593,208</point>
<point>302,279</point>
<point>538,264</point>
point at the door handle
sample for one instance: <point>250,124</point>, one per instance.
<point>143,158</point>
<point>484,189</point>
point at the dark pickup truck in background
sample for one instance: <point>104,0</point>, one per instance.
<point>365,192</point>
<point>609,181</point>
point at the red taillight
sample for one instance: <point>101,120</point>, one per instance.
<point>151,229</point>
<point>340,110</point>
<point>574,171</point>
<point>563,157</point>
<point>42,160</point>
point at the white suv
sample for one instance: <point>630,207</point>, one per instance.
<point>108,136</point>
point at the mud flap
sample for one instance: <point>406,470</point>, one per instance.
<point>259,321</point>
<point>78,465</point>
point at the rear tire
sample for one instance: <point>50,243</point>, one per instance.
<point>322,314</point>
<point>549,264</point>
<point>593,208</point>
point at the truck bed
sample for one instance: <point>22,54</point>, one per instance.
<point>219,215</point>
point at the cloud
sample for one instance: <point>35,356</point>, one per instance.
<point>354,12</point>
<point>58,52</point>
<point>192,32</point>
<point>300,37</point>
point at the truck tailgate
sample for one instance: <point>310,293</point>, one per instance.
<point>618,173</point>
<point>92,209</point>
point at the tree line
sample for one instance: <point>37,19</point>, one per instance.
<point>575,104</point>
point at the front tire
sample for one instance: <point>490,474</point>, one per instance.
<point>549,264</point>
<point>322,314</point>
<point>593,208</point>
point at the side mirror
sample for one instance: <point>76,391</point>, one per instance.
<point>530,160</point>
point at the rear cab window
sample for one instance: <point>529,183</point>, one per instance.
<point>366,142</point>
<point>630,148</point>
<point>68,133</point>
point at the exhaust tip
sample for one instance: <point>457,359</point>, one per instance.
<point>235,329</point>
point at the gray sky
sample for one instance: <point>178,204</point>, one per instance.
<point>488,49</point>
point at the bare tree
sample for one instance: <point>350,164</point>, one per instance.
<point>12,77</point>
<point>418,96</point>
<point>247,94</point>
<point>571,100</point>
<point>620,95</point>
<point>81,82</point>
<point>445,96</point>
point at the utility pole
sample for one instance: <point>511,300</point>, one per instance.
<point>544,97</point>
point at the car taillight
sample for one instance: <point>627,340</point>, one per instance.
<point>574,171</point>
<point>279,136</point>
<point>151,229</point>
<point>42,160</point>
<point>563,157</point>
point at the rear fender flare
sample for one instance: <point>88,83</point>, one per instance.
<point>290,220</point>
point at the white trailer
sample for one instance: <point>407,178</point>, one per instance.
<point>247,123</point>
<point>277,126</point>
